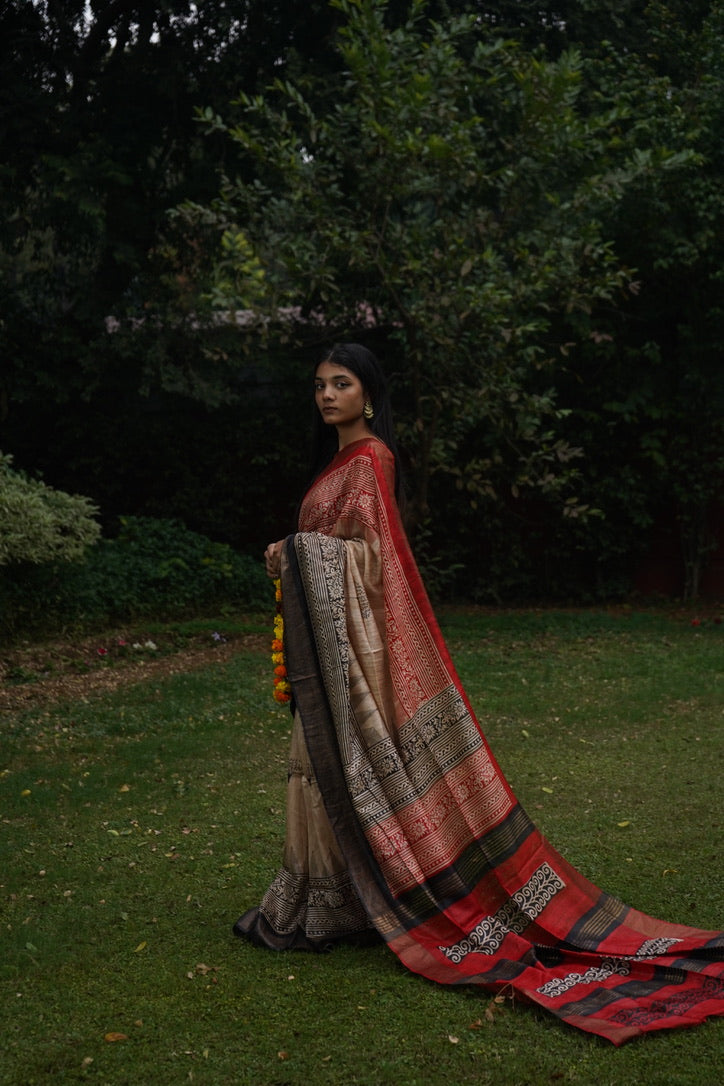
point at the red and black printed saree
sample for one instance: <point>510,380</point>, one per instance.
<point>400,824</point>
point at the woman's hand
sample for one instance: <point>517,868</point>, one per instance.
<point>273,559</point>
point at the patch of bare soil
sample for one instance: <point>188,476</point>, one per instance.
<point>62,670</point>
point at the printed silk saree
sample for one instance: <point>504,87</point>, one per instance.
<point>400,824</point>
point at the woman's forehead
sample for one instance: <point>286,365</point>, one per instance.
<point>329,370</point>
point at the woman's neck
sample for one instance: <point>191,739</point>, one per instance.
<point>355,431</point>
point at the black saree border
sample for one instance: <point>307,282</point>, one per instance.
<point>463,875</point>
<point>311,701</point>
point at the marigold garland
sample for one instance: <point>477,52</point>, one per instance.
<point>282,687</point>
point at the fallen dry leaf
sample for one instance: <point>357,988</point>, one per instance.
<point>202,969</point>
<point>115,1037</point>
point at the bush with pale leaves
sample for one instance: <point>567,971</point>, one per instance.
<point>40,524</point>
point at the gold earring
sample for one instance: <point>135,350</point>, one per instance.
<point>368,410</point>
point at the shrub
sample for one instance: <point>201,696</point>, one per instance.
<point>39,524</point>
<point>152,568</point>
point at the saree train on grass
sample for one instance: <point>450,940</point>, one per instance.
<point>401,825</point>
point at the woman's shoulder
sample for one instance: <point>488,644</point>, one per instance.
<point>371,446</point>
<point>376,456</point>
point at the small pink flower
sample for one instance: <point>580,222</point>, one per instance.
<point>102,652</point>
<point>121,643</point>
<point>696,622</point>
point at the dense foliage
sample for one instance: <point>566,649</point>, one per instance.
<point>522,200</point>
<point>151,567</point>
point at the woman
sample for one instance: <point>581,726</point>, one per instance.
<point>400,824</point>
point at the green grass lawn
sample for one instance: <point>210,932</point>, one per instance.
<point>136,827</point>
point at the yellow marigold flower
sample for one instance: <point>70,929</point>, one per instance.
<point>282,686</point>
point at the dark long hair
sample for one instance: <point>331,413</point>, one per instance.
<point>363,364</point>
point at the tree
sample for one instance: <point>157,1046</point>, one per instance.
<point>108,367</point>
<point>446,188</point>
<point>648,396</point>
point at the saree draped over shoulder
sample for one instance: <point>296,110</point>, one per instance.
<point>401,825</point>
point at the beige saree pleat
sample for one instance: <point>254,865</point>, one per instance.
<point>312,898</point>
<point>312,902</point>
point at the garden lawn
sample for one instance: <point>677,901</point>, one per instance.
<point>138,824</point>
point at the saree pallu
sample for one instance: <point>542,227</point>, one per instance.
<point>400,823</point>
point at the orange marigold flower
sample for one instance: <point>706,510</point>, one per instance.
<point>282,687</point>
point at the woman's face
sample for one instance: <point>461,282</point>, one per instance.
<point>339,395</point>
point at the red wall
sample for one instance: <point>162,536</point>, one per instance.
<point>661,573</point>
